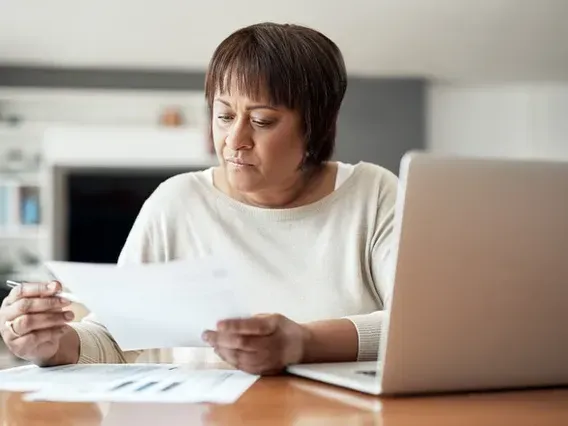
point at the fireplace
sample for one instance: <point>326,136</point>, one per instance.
<point>102,205</point>
<point>98,178</point>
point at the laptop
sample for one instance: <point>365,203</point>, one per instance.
<point>480,297</point>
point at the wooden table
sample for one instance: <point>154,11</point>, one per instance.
<point>294,401</point>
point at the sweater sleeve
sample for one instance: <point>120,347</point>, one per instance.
<point>96,343</point>
<point>370,327</point>
<point>98,346</point>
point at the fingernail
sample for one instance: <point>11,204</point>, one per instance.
<point>52,286</point>
<point>205,337</point>
<point>69,315</point>
<point>64,302</point>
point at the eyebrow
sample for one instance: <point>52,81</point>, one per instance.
<point>249,108</point>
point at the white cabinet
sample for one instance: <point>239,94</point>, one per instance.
<point>549,108</point>
<point>505,120</point>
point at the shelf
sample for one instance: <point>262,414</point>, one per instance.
<point>126,147</point>
<point>29,133</point>
<point>21,178</point>
<point>23,232</point>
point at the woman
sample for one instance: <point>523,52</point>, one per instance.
<point>316,233</point>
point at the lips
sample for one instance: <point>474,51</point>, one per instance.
<point>237,162</point>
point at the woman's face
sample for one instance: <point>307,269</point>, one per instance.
<point>260,146</point>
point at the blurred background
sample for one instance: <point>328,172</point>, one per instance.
<point>100,101</point>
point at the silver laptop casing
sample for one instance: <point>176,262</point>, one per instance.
<point>481,284</point>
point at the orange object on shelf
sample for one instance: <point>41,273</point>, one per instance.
<point>172,117</point>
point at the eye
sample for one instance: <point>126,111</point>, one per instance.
<point>262,123</point>
<point>225,118</point>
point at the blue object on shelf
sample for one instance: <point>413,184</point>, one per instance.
<point>30,210</point>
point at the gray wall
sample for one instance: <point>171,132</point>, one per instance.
<point>381,118</point>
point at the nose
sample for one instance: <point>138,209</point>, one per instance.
<point>238,137</point>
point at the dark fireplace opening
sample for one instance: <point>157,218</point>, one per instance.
<point>102,207</point>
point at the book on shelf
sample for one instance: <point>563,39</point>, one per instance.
<point>20,207</point>
<point>29,205</point>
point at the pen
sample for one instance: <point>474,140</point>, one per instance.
<point>11,284</point>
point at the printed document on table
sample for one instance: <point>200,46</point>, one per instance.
<point>158,305</point>
<point>159,386</point>
<point>75,376</point>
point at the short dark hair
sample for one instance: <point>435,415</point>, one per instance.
<point>297,67</point>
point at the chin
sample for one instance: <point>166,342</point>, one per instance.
<point>242,180</point>
<point>242,185</point>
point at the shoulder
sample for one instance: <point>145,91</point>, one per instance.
<point>371,192</point>
<point>377,171</point>
<point>167,206</point>
<point>375,179</point>
<point>176,193</point>
<point>182,185</point>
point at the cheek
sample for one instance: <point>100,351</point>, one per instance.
<point>291,148</point>
<point>280,154</point>
<point>217,133</point>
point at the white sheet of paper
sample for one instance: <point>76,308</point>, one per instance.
<point>74,376</point>
<point>158,386</point>
<point>158,305</point>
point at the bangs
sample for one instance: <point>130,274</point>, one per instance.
<point>255,72</point>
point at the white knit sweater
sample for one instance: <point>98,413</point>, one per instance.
<point>330,259</point>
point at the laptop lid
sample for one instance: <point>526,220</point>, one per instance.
<point>481,287</point>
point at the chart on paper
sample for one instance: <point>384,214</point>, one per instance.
<point>127,383</point>
<point>167,386</point>
<point>32,378</point>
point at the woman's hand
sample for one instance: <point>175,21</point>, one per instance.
<point>33,322</point>
<point>263,344</point>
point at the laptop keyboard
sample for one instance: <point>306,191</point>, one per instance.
<point>368,372</point>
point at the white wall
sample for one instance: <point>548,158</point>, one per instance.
<point>521,121</point>
<point>473,40</point>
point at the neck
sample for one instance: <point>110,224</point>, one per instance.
<point>286,196</point>
<point>293,194</point>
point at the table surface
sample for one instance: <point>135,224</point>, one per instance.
<point>287,400</point>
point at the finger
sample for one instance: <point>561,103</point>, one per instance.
<point>246,361</point>
<point>32,290</point>
<point>234,357</point>
<point>260,325</point>
<point>27,324</point>
<point>29,305</point>
<point>247,343</point>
